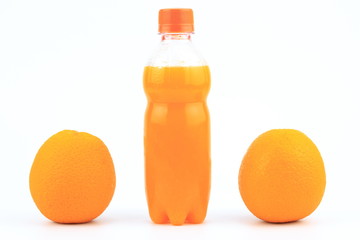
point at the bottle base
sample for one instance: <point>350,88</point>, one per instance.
<point>177,218</point>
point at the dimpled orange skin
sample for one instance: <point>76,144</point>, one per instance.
<point>282,176</point>
<point>72,179</point>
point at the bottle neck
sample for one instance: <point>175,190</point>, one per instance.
<point>175,36</point>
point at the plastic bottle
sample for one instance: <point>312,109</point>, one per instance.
<point>177,125</point>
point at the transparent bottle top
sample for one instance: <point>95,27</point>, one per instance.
<point>176,49</point>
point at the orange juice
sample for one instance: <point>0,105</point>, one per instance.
<point>177,143</point>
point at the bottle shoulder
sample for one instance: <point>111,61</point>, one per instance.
<point>176,53</point>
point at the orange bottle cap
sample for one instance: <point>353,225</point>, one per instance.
<point>176,20</point>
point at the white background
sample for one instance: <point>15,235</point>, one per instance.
<point>78,65</point>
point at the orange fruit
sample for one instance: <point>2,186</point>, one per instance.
<point>282,176</point>
<point>72,179</point>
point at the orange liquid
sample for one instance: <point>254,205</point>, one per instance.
<point>177,143</point>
